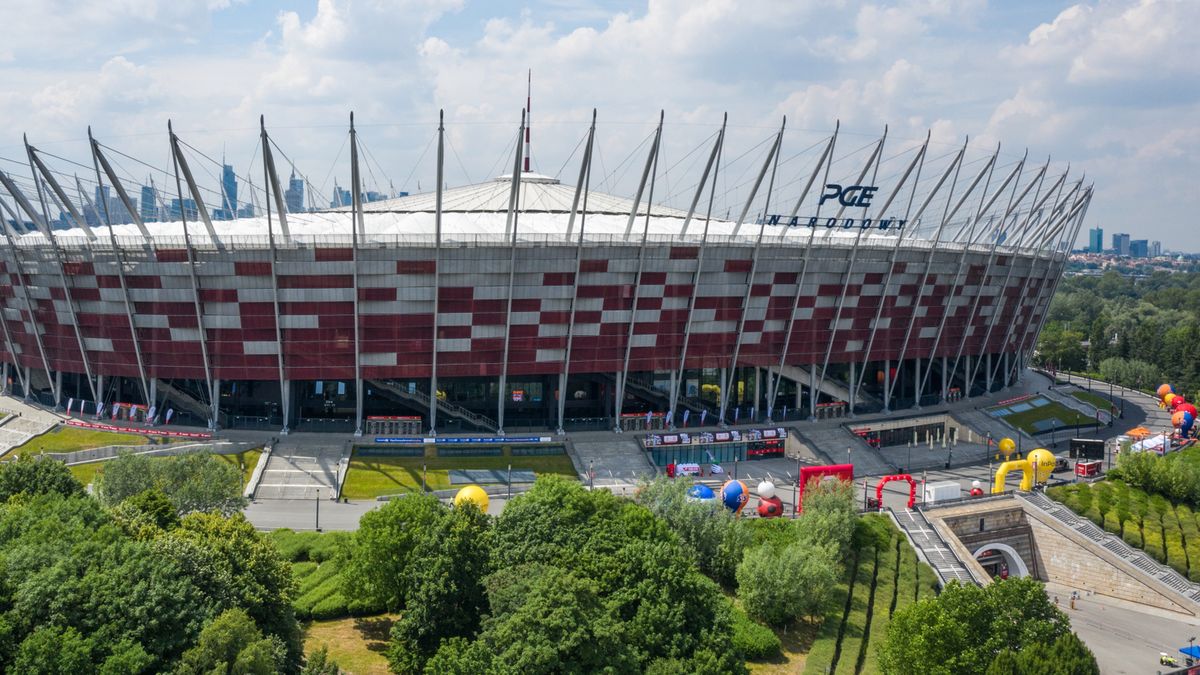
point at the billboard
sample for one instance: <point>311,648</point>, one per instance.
<point>1086,448</point>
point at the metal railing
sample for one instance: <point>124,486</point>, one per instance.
<point>443,405</point>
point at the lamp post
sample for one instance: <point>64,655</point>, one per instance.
<point>317,514</point>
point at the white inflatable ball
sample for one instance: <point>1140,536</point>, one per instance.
<point>766,489</point>
<point>976,484</point>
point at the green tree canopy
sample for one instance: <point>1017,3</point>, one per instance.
<point>193,482</point>
<point>966,628</point>
<point>36,475</point>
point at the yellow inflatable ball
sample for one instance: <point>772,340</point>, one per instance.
<point>1007,446</point>
<point>473,494</point>
<point>1041,461</point>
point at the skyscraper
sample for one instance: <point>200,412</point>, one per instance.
<point>1096,240</point>
<point>149,204</point>
<point>294,196</point>
<point>1155,249</point>
<point>230,189</point>
<point>1139,248</point>
<point>1120,243</point>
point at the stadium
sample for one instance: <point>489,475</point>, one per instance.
<point>878,279</point>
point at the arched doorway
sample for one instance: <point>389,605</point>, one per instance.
<point>996,557</point>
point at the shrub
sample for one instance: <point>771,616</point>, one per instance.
<point>332,606</point>
<point>755,641</point>
<point>1132,533</point>
<point>1112,522</point>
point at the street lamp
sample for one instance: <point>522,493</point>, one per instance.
<point>317,516</point>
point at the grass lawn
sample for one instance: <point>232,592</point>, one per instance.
<point>797,640</point>
<point>1093,399</point>
<point>358,645</point>
<point>86,473</point>
<point>247,460</point>
<point>1025,420</point>
<point>370,477</point>
<point>70,439</point>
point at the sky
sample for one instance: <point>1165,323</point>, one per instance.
<point>1111,88</point>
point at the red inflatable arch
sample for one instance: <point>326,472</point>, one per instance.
<point>912,488</point>
<point>841,471</point>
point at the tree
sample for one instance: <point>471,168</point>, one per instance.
<point>155,507</point>
<point>714,536</point>
<point>966,627</point>
<point>445,597</point>
<point>319,663</point>
<point>240,569</point>
<point>779,585</point>
<point>382,549</point>
<point>51,649</point>
<point>562,626</point>
<point>232,643</point>
<point>194,482</point>
<point>35,475</point>
<point>829,517</point>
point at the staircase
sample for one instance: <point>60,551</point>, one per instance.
<point>645,391</point>
<point>421,400</point>
<point>1114,544</point>
<point>829,386</point>
<point>183,400</point>
<point>932,547</point>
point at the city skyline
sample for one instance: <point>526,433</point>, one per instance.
<point>1073,81</point>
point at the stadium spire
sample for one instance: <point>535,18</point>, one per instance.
<point>528,112</point>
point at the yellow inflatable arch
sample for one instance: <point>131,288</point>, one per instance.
<point>1035,468</point>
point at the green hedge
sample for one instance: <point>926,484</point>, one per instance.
<point>856,621</point>
<point>753,640</point>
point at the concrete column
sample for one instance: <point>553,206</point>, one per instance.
<point>57,388</point>
<point>757,387</point>
<point>853,374</point>
<point>945,378</point>
<point>966,390</point>
<point>724,393</point>
<point>799,395</point>
<point>917,383</point>
<point>1005,369</point>
<point>887,385</point>
<point>618,399</point>
<point>285,398</point>
<point>812,392</point>
<point>988,379</point>
<point>5,383</point>
<point>153,393</point>
<point>562,393</point>
<point>215,406</point>
<point>99,387</point>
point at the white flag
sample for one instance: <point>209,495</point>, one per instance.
<point>70,403</point>
<point>716,469</point>
<point>170,414</point>
<point>703,414</point>
<point>150,414</point>
<point>99,408</point>
<point>686,415</point>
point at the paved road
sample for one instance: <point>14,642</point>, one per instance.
<point>1125,638</point>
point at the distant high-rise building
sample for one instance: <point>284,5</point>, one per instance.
<point>117,213</point>
<point>294,196</point>
<point>1155,249</point>
<point>1120,243</point>
<point>1139,248</point>
<point>1096,240</point>
<point>149,204</point>
<point>229,189</point>
<point>340,197</point>
<point>189,205</point>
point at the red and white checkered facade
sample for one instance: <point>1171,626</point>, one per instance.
<point>395,308</point>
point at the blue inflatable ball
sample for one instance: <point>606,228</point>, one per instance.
<point>700,493</point>
<point>734,495</point>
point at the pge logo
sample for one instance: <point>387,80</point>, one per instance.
<point>851,195</point>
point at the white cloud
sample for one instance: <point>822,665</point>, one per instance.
<point>1111,85</point>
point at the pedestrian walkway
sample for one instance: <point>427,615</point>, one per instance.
<point>299,473</point>
<point>610,459</point>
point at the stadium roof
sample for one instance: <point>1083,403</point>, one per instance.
<point>476,214</point>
